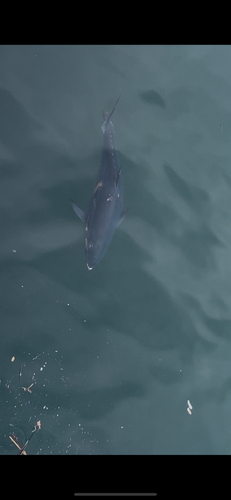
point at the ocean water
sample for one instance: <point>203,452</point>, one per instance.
<point>116,356</point>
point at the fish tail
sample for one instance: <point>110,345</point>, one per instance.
<point>107,115</point>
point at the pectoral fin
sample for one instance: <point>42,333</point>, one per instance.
<point>122,215</point>
<point>78,211</point>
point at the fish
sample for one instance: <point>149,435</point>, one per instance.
<point>105,211</point>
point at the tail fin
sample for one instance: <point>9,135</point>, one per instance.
<point>106,115</point>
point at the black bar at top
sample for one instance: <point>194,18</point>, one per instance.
<point>115,494</point>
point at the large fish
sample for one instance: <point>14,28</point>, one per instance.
<point>105,210</point>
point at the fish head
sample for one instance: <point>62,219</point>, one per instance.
<point>94,250</point>
<point>91,254</point>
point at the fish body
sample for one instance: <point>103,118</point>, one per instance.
<point>105,210</point>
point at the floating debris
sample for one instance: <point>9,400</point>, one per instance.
<point>22,448</point>
<point>189,409</point>
<point>20,372</point>
<point>14,439</point>
<point>189,405</point>
<point>28,388</point>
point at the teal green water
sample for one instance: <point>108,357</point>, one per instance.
<point>115,354</point>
